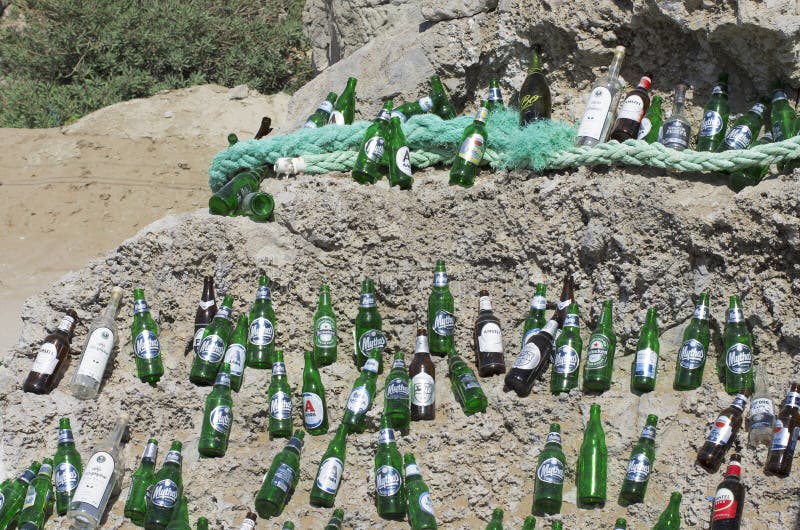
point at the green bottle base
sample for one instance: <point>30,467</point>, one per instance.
<point>596,385</point>
<point>544,507</point>
<point>630,498</point>
<point>212,451</point>
<point>393,514</point>
<point>324,359</point>
<point>319,431</point>
<point>322,502</point>
<point>202,379</point>
<point>280,434</point>
<point>643,385</point>
<point>266,509</point>
<point>591,503</point>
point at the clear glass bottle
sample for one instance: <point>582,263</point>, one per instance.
<point>602,104</point>
<point>677,130</point>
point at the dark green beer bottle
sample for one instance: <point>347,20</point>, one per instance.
<point>420,506</point>
<point>715,117</point>
<point>496,522</point>
<point>331,467</point>
<point>325,338</point>
<point>640,465</point>
<point>362,395</point>
<point>258,206</point>
<point>144,338</point>
<point>536,316</point>
<point>534,96</point>
<point>336,520</point>
<point>390,495</point>
<point>441,102</point>
<point>738,348</point>
<point>263,332</point>
<point>15,494</point>
<point>412,108</point>
<point>141,481</point>
<point>322,114</point>
<point>650,128</point>
<point>692,356</point>
<point>644,367</point>
<point>371,156</point>
<point>167,490</point>
<point>670,519</point>
<point>557,525</point>
<point>399,156</point>
<point>344,111</point>
<point>315,407</point>
<point>495,100</point>
<point>529,523</point>
<point>287,525</point>
<point>232,139</point>
<point>227,200</point>
<point>202,523</point>
<point>180,519</point>
<point>212,346</point>
<point>782,117</point>
<point>396,394</point>
<point>549,483</point>
<point>621,524</point>
<point>567,360</point>
<point>281,479</point>
<point>68,469</point>
<point>37,506</point>
<point>280,400</point>
<point>441,318</point>
<point>367,333</point>
<point>592,463</point>
<point>745,129</point>
<point>752,175</point>
<point>600,354</point>
<point>218,416</point>
<point>465,385</point>
<point>470,154</point>
<point>236,353</point>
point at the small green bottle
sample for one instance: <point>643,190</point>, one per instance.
<point>144,338</point>
<point>281,479</point>
<point>536,318</point>
<point>644,366</point>
<point>640,465</point>
<point>396,395</point>
<point>650,128</point>
<point>68,469</point>
<point>465,385</point>
<point>362,395</point>
<point>412,108</point>
<point>315,407</point>
<point>212,346</point>
<point>287,525</point>
<point>781,115</point>
<point>691,361</point>
<point>141,482</point>
<point>592,463</point>
<point>367,333</point>
<point>529,523</point>
<point>495,101</point>
<point>232,139</point>
<point>473,147</point>
<point>496,523</point>
<point>745,129</point>
<point>557,525</point>
<point>420,505</point>
<point>344,111</point>
<point>567,360</point>
<point>202,523</point>
<point>227,200</point>
<point>441,318</point>
<point>263,332</point>
<point>324,333</point>
<point>600,353</point>
<point>738,348</point>
<point>280,400</point>
<point>331,468</point>
<point>180,519</point>
<point>367,168</point>
<point>399,156</point>
<point>751,175</point>
<point>715,117</point>
<point>236,353</point>
<point>671,518</point>
<point>167,491</point>
<point>259,206</point>
<point>336,520</point>
<point>441,102</point>
<point>548,486</point>
<point>322,114</point>
<point>390,495</point>
<point>621,524</point>
<point>14,495</point>
<point>37,505</point>
<point>218,416</point>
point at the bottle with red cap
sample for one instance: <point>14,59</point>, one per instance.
<point>729,498</point>
<point>633,110</point>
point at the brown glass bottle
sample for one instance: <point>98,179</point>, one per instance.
<point>633,110</point>
<point>567,297</point>
<point>52,358</point>
<point>723,433</point>
<point>784,439</point>
<point>423,380</point>
<point>729,498</point>
<point>488,339</point>
<point>206,310</point>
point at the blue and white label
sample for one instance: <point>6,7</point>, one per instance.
<point>646,362</point>
<point>566,360</point>
<point>329,475</point>
<point>146,345</point>
<point>220,419</point>
<point>638,468</point>
<point>139,306</point>
<point>572,320</point>
<point>165,494</point>
<point>439,279</point>
<point>224,312</point>
<point>692,354</point>
<point>551,471</point>
<point>236,357</point>
<point>212,349</point>
<point>280,406</point>
<point>262,293</point>
<point>367,300</point>
<point>735,314</point>
<point>539,302</point>
<point>711,125</point>
<point>444,323</point>
<point>739,358</point>
<point>65,436</point>
<point>397,388</point>
<point>387,481</point>
<point>358,401</point>
<point>386,436</point>
<point>66,478</point>
<point>261,332</point>
<point>649,432</point>
<point>284,477</point>
<point>468,381</point>
<point>425,502</point>
<point>739,137</point>
<point>371,339</point>
<point>702,312</point>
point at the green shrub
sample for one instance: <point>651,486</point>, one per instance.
<point>64,58</point>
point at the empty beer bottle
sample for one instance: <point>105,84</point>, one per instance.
<point>367,333</point>
<point>621,524</point>
<point>144,338</point>
<point>640,465</point>
<point>670,519</point>
<point>745,129</point>
<point>228,198</point>
<point>217,416</point>
<point>420,506</point>
<point>536,316</point>
<point>715,117</point>
<point>729,498</point>
<point>786,432</point>
<point>287,525</point>
<point>691,359</point>
<point>412,108</point>
<point>676,131</point>
<point>325,338</point>
<point>488,339</point>
<point>281,479</point>
<point>215,338</point>
<point>206,309</point>
<point>362,395</point>
<point>781,115</point>
<point>496,522</point>
<point>331,468</point>
<point>249,522</point>
<point>465,385</point>
<point>399,157</point>
<point>280,400</point>
<point>633,110</point>
<point>15,494</point>
<point>263,331</point>
<point>600,354</point>
<point>141,482</point>
<point>534,96</point>
<point>423,381</point>
<point>52,359</point>
<point>470,154</point>
<point>549,482</point>
<point>567,360</point>
<point>533,360</point>
<point>495,100</point>
<point>344,111</point>
<point>336,520</point>
<point>232,139</point>
<point>167,490</point>
<point>441,102</point>
<point>322,114</point>
<point>180,519</point>
<point>557,525</point>
<point>592,461</point>
<point>441,318</point>
<point>751,175</point>
<point>390,495</point>
<point>374,148</point>
<point>738,347</point>
<point>236,353</point>
<point>258,206</point>
<point>650,128</point>
<point>396,394</point>
<point>67,463</point>
<point>722,434</point>
<point>315,407</point>
<point>602,104</point>
<point>762,412</point>
<point>37,505</point>
<point>529,523</point>
<point>645,363</point>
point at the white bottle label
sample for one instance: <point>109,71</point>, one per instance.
<point>212,348</point>
<point>422,390</point>
<point>594,117</point>
<point>721,431</point>
<point>309,125</point>
<point>261,332</point>
<point>646,362</point>
<point>739,359</point>
<point>374,148</point>
<point>330,474</point>
<point>46,359</point>
<point>235,356</point>
<point>425,502</point>
<point>691,354</point>
<point>444,323</point>
<point>284,477</point>
<point>313,410</point>
<point>632,108</point>
<point>566,360</point>
<point>644,129</point>
<point>675,134</point>
<point>326,105</point>
<point>66,477</point>
<point>491,339</point>
<point>472,149</point>
<point>97,352</point>
<point>711,125</point>
<point>337,118</point>
<point>325,332</point>
<point>95,480</point>
<point>146,345</point>
<point>387,481</point>
<point>358,401</point>
<point>551,471</point>
<point>529,357</point>
<point>30,497</point>
<point>280,406</point>
<point>220,419</point>
<point>638,468</point>
<point>403,160</point>
<point>426,103</point>
<point>739,137</point>
<point>198,338</point>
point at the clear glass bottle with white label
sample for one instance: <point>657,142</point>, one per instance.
<point>98,351</point>
<point>602,104</point>
<point>761,419</point>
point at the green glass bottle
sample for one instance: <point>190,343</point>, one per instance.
<point>548,486</point>
<point>567,360</point>
<point>715,117</point>
<point>745,129</point>
<point>396,397</point>
<point>68,469</point>
<point>600,354</point>
<point>180,519</point>
<point>621,524</point>
<point>212,346</point>
<point>202,523</point>
<point>144,338</point>
<point>536,318</point>
<point>496,522</point>
<point>529,523</point>
<point>534,96</point>
<point>227,200</point>
<point>367,168</point>
<point>331,468</point>
<point>420,505</point>
<point>412,108</point>
<point>37,506</point>
<point>644,366</point>
<point>236,353</point>
<point>280,400</point>
<point>441,102</point>
<point>287,525</point>
<point>336,520</point>
<point>259,206</point>
<point>752,175</point>
<point>218,416</point>
<point>495,100</point>
<point>315,407</point>
<point>650,128</point>
<point>141,482</point>
<point>640,465</point>
<point>470,154</point>
<point>441,318</point>
<point>671,518</point>
<point>324,333</point>
<point>362,395</point>
<point>691,360</point>
<point>782,116</point>
<point>592,463</point>
<point>465,385</point>
<point>368,334</point>
<point>281,479</point>
<point>232,139</point>
<point>557,525</point>
<point>738,348</point>
<point>15,494</point>
<point>167,490</point>
<point>322,114</point>
<point>344,111</point>
<point>263,332</point>
<point>399,156</point>
<point>390,495</point>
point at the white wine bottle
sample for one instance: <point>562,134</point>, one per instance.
<point>602,105</point>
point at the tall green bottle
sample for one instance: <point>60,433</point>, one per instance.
<point>236,353</point>
<point>218,416</point>
<point>441,317</point>
<point>374,148</point>
<point>396,395</point>
<point>37,506</point>
<point>280,400</point>
<point>671,517</point>
<point>144,338</point>
<point>399,156</point>
<point>536,316</point>
<point>141,481</point>
<point>496,522</point>
<point>782,116</point>
<point>322,114</point>
<point>390,495</point>
<point>592,463</point>
<point>325,338</point>
<point>420,506</point>
<point>534,96</point>
<point>315,407</point>
<point>167,490</point>
<point>367,334</point>
<point>549,483</point>
<point>745,129</point>
<point>715,117</point>
<point>331,468</point>
<point>495,100</point>
<point>465,385</point>
<point>600,354</point>
<point>336,520</point>
<point>644,367</point>
<point>691,359</point>
<point>567,361</point>
<point>15,494</point>
<point>68,469</point>
<point>180,519</point>
<point>473,147</point>
<point>529,523</point>
<point>362,395</point>
<point>263,332</point>
<point>650,128</point>
<point>344,111</point>
<point>212,346</point>
<point>738,348</point>
<point>441,102</point>
<point>640,465</point>
<point>281,479</point>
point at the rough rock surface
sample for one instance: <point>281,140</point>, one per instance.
<point>642,240</point>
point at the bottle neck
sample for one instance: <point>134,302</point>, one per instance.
<point>115,438</point>
<point>208,290</point>
<point>324,298</point>
<point>734,469</point>
<point>421,346</point>
<point>113,307</point>
<point>616,64</point>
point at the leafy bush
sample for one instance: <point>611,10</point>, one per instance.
<point>64,58</point>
